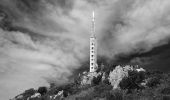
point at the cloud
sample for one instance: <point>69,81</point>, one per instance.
<point>135,26</point>
<point>37,48</point>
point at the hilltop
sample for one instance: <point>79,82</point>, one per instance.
<point>108,83</point>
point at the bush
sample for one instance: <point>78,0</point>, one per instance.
<point>153,82</point>
<point>137,77</point>
<point>29,92</point>
<point>106,81</point>
<point>126,83</point>
<point>117,75</point>
<point>166,97</point>
<point>70,89</point>
<point>166,90</point>
<point>101,90</point>
<point>133,80</point>
<point>97,80</point>
<point>53,91</point>
<point>114,95</point>
<point>42,90</point>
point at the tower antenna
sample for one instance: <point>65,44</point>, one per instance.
<point>93,23</point>
<point>93,46</point>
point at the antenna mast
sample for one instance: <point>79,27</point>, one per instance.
<point>93,47</point>
<point>93,24</point>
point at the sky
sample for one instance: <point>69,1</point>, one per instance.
<point>43,41</point>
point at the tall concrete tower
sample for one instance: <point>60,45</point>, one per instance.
<point>93,47</point>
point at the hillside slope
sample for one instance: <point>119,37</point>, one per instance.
<point>119,83</point>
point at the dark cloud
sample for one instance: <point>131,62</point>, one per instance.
<point>157,59</point>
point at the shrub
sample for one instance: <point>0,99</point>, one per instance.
<point>137,77</point>
<point>118,74</point>
<point>106,81</point>
<point>42,90</point>
<point>166,90</point>
<point>53,91</point>
<point>84,98</point>
<point>101,90</point>
<point>26,94</point>
<point>133,80</point>
<point>97,80</point>
<point>153,82</point>
<point>114,95</point>
<point>166,97</point>
<point>125,83</point>
<point>29,92</point>
<point>44,97</point>
<point>70,89</point>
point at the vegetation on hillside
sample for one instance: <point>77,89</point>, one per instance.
<point>119,83</point>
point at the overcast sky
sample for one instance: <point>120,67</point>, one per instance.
<point>44,41</point>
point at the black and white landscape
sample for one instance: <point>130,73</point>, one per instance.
<point>45,43</point>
